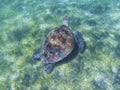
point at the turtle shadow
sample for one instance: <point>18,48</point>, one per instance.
<point>71,56</point>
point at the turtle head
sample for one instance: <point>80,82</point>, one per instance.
<point>65,20</point>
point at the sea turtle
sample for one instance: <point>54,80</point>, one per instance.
<point>59,45</point>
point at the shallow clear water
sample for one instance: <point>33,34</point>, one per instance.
<point>24,24</point>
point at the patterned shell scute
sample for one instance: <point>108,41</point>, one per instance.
<point>59,43</point>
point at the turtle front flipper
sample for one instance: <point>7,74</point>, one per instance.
<point>49,67</point>
<point>38,54</point>
<point>79,39</point>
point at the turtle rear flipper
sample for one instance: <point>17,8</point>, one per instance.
<point>79,39</point>
<point>49,67</point>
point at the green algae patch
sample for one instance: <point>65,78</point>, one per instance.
<point>24,25</point>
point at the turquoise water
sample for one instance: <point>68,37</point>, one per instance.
<point>25,24</point>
